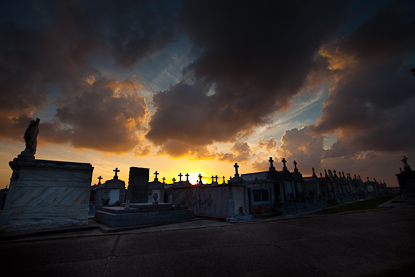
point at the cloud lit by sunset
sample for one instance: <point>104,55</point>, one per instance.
<point>195,86</point>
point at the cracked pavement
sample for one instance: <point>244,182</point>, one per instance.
<point>332,245</point>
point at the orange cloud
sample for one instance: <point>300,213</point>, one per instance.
<point>337,60</point>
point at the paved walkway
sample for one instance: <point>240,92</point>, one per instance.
<point>331,245</point>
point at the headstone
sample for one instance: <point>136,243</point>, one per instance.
<point>138,185</point>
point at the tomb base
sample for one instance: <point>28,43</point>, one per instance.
<point>46,194</point>
<point>142,214</point>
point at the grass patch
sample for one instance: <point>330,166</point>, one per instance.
<point>361,205</point>
<point>406,269</point>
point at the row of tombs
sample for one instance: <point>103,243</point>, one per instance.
<point>244,196</point>
<point>47,194</point>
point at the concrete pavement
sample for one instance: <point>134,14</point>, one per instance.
<point>332,245</point>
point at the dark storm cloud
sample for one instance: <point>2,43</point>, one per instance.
<point>371,107</point>
<point>254,57</point>
<point>48,47</point>
<point>104,116</point>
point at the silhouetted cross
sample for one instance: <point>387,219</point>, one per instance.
<point>295,164</point>
<point>99,179</point>
<point>212,178</point>
<point>216,177</point>
<point>270,161</point>
<point>180,175</point>
<point>236,169</point>
<point>156,173</point>
<point>116,170</point>
<point>187,177</point>
<point>283,161</point>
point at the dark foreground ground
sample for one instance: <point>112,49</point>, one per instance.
<point>321,245</point>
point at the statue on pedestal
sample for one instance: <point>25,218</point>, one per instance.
<point>30,137</point>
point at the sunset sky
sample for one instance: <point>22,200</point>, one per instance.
<point>195,86</point>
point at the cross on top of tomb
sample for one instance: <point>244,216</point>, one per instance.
<point>187,177</point>
<point>216,178</point>
<point>180,176</point>
<point>99,179</point>
<point>271,162</point>
<point>116,170</point>
<point>212,178</point>
<point>295,166</point>
<point>223,180</point>
<point>174,180</point>
<point>236,169</point>
<point>284,161</point>
<point>156,173</point>
<point>164,179</point>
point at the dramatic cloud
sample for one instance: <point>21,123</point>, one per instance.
<point>142,151</point>
<point>306,149</point>
<point>240,152</point>
<point>253,59</point>
<point>370,107</point>
<point>81,67</point>
<point>48,47</point>
<point>106,115</point>
<point>269,144</point>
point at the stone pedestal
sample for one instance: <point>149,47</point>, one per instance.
<point>406,181</point>
<point>142,214</point>
<point>46,194</point>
